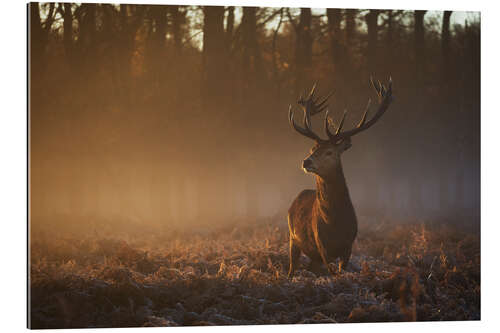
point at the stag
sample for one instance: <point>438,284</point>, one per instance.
<point>322,222</point>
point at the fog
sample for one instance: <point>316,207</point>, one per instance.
<point>153,131</point>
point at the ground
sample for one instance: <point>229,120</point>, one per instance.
<point>237,275</point>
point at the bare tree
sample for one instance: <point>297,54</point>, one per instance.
<point>350,25</point>
<point>176,18</point>
<point>214,55</point>
<point>419,44</point>
<point>303,46</point>
<point>372,24</point>
<point>229,27</point>
<point>251,58</point>
<point>445,44</point>
<point>334,19</point>
<point>39,33</point>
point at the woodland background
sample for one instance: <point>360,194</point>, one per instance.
<point>170,115</point>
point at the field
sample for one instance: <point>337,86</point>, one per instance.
<point>237,275</point>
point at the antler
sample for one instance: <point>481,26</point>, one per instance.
<point>310,108</point>
<point>385,98</point>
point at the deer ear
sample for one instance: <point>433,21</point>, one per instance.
<point>345,144</point>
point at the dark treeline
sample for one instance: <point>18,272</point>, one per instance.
<point>177,113</point>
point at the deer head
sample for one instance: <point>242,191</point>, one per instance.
<point>325,154</point>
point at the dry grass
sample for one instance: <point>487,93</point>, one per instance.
<point>238,276</point>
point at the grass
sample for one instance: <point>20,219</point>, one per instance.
<point>237,275</point>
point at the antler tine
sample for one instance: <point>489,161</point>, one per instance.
<point>306,131</point>
<point>376,85</point>
<point>312,90</point>
<point>341,122</point>
<point>310,106</point>
<point>321,105</point>
<point>327,125</point>
<point>363,119</point>
<point>307,118</point>
<point>385,98</point>
<point>373,83</point>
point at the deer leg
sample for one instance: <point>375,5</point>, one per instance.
<point>324,256</point>
<point>315,267</point>
<point>344,260</point>
<point>294,258</point>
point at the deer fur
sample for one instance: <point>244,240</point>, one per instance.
<point>322,222</point>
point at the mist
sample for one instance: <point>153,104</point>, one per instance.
<point>133,122</point>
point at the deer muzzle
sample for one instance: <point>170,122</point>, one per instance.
<point>308,165</point>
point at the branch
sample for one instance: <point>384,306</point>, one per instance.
<point>50,17</point>
<point>275,35</point>
<point>290,19</point>
<point>269,18</point>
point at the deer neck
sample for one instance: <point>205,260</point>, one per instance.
<point>332,197</point>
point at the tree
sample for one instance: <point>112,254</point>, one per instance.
<point>251,59</point>
<point>177,18</point>
<point>303,46</point>
<point>130,20</point>
<point>334,19</point>
<point>224,90</point>
<point>372,25</point>
<point>214,55</point>
<point>86,15</point>
<point>39,33</point>
<point>350,25</point>
<point>156,51</point>
<point>350,36</point>
<point>445,44</point>
<point>390,29</point>
<point>229,27</point>
<point>419,46</point>
<point>274,51</point>
<point>65,11</point>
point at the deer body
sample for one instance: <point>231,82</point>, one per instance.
<point>322,222</point>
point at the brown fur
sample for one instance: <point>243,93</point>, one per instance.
<point>322,222</point>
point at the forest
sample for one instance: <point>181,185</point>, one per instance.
<point>170,112</point>
<point>162,163</point>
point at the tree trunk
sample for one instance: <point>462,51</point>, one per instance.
<point>36,39</point>
<point>445,45</point>
<point>303,49</point>
<point>86,38</point>
<point>419,46</point>
<point>251,62</point>
<point>160,21</point>
<point>131,16</point>
<point>88,25</point>
<point>229,27</point>
<point>68,33</point>
<point>176,19</point>
<point>334,18</point>
<point>372,25</point>
<point>390,30</point>
<point>156,55</point>
<point>350,35</point>
<point>39,34</point>
<point>350,25</point>
<point>35,22</point>
<point>274,52</point>
<point>214,55</point>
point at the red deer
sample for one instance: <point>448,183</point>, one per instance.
<point>322,222</point>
